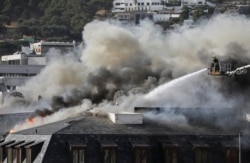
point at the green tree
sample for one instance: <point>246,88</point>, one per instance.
<point>35,30</point>
<point>2,5</point>
<point>56,20</point>
<point>23,30</point>
<point>7,9</point>
<point>98,4</point>
<point>18,10</point>
<point>7,48</point>
<point>64,17</point>
<point>4,19</point>
<point>77,23</point>
<point>25,15</point>
<point>2,28</point>
<point>31,22</point>
<point>185,13</point>
<point>199,11</point>
<point>53,31</point>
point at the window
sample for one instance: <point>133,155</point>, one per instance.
<point>33,150</point>
<point>78,155</point>
<point>232,155</point>
<point>140,155</point>
<point>28,156</point>
<point>77,152</point>
<point>12,155</point>
<point>170,151</point>
<point>140,148</point>
<point>109,148</point>
<point>1,155</point>
<point>3,150</point>
<point>9,156</point>
<point>20,154</point>
<point>171,155</point>
<point>109,155</point>
<point>202,155</point>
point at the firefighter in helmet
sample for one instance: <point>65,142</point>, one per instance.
<point>215,59</point>
<point>216,64</point>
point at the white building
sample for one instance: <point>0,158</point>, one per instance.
<point>15,69</point>
<point>136,5</point>
<point>42,47</point>
<point>136,10</point>
<point>36,55</point>
<point>193,2</point>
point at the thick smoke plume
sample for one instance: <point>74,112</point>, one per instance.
<point>120,65</point>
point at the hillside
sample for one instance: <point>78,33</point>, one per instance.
<point>48,19</point>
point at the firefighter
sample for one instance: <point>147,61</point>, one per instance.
<point>215,59</point>
<point>216,64</point>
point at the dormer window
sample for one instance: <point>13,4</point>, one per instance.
<point>77,152</point>
<point>109,151</point>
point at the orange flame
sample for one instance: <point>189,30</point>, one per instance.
<point>31,120</point>
<point>11,131</point>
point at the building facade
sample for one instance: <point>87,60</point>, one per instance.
<point>89,139</point>
<point>15,69</point>
<point>193,2</point>
<point>137,5</point>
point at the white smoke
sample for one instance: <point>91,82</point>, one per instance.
<point>58,116</point>
<point>60,75</point>
<point>190,91</point>
<point>136,59</point>
<point>108,45</point>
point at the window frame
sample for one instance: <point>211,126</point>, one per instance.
<point>114,153</point>
<point>140,148</point>
<point>231,159</point>
<point>78,149</point>
<point>203,150</point>
<point>174,150</point>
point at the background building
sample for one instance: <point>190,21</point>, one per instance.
<point>15,69</point>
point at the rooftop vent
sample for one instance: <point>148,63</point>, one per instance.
<point>126,118</point>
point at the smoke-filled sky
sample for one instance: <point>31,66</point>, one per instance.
<point>122,67</point>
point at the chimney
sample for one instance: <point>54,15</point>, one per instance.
<point>126,118</point>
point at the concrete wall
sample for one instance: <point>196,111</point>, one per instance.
<point>17,69</point>
<point>36,61</point>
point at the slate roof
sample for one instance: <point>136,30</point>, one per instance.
<point>88,124</point>
<point>8,121</point>
<point>88,130</point>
